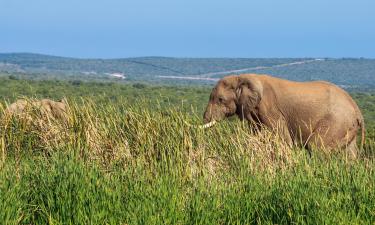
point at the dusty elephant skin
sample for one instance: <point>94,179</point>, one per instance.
<point>311,114</point>
<point>55,109</point>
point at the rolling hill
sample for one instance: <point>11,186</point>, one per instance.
<point>347,72</point>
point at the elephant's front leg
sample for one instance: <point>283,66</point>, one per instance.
<point>280,126</point>
<point>255,124</point>
<point>254,127</point>
<point>284,133</point>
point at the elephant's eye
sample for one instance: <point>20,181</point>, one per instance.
<point>221,99</point>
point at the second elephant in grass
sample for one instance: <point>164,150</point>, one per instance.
<point>312,114</point>
<point>49,107</point>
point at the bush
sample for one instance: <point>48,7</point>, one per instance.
<point>139,85</point>
<point>76,82</point>
<point>12,77</point>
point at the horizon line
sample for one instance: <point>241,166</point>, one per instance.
<point>179,57</point>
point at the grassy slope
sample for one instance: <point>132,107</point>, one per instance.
<point>122,160</point>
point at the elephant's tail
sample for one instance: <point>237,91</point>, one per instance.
<point>363,133</point>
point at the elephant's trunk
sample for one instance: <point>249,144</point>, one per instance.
<point>207,125</point>
<point>207,117</point>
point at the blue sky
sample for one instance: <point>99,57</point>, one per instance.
<point>189,28</point>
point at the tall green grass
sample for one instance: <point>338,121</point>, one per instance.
<point>136,164</point>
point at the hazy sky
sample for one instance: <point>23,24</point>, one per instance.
<point>189,28</point>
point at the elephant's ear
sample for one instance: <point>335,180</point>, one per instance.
<point>249,92</point>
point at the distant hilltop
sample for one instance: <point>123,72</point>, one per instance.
<point>342,71</point>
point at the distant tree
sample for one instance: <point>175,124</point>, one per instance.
<point>139,85</point>
<point>76,82</point>
<point>12,77</point>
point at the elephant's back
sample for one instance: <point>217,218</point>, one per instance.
<point>318,95</point>
<point>317,99</point>
<point>341,97</point>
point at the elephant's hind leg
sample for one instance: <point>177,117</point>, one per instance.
<point>323,136</point>
<point>332,137</point>
<point>317,138</point>
<point>352,149</point>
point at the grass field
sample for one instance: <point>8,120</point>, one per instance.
<point>127,155</point>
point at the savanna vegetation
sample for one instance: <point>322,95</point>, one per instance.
<point>131,154</point>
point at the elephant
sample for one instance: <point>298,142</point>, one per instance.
<point>315,114</point>
<point>55,109</point>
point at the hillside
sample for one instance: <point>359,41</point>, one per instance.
<point>348,72</point>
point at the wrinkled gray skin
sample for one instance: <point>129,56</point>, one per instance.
<point>56,109</point>
<point>311,114</point>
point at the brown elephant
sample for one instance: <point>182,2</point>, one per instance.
<point>311,114</point>
<point>52,108</point>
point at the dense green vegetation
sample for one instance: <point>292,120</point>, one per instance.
<point>188,96</point>
<point>127,155</point>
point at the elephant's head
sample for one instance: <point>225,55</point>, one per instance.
<point>59,109</point>
<point>56,109</point>
<point>232,95</point>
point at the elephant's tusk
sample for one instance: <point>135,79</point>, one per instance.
<point>207,125</point>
